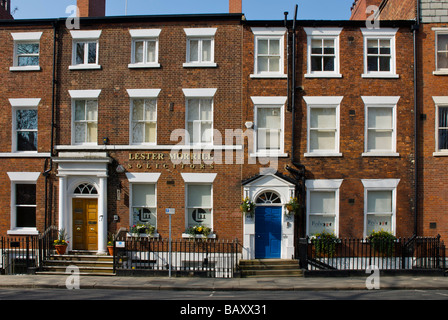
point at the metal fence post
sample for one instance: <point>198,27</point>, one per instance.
<point>303,253</point>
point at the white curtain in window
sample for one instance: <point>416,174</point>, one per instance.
<point>144,195</point>
<point>379,201</point>
<point>322,202</point>
<point>380,128</point>
<point>322,129</point>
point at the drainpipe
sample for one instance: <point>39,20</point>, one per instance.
<point>53,84</point>
<point>415,29</point>
<point>298,173</point>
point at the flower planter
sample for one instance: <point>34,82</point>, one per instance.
<point>111,250</point>
<point>60,248</point>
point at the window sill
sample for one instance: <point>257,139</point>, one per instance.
<point>269,76</point>
<point>25,68</point>
<point>440,73</point>
<point>440,154</point>
<point>322,154</point>
<point>148,147</point>
<point>85,67</point>
<point>142,235</point>
<point>267,154</point>
<point>200,65</point>
<point>323,75</point>
<point>198,236</point>
<point>23,231</point>
<point>25,155</point>
<point>380,76</point>
<point>380,154</point>
<point>143,65</point>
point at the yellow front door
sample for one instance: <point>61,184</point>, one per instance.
<point>85,224</point>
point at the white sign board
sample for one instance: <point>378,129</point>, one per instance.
<point>169,210</point>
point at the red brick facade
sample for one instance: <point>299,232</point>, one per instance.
<point>242,85</point>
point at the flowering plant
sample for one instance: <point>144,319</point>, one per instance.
<point>247,206</point>
<point>62,238</point>
<point>382,241</point>
<point>142,228</point>
<point>193,231</point>
<point>293,206</point>
<point>324,243</point>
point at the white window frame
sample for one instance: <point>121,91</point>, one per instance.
<point>200,34</point>
<point>198,179</point>
<point>438,31</point>
<point>269,34</point>
<point>145,35</point>
<point>25,37</point>
<point>323,102</point>
<point>439,102</point>
<point>269,102</point>
<point>325,34</point>
<point>21,178</point>
<point>22,104</point>
<point>142,178</point>
<point>191,94</point>
<point>380,102</point>
<point>136,94</point>
<point>321,185</point>
<point>381,185</point>
<point>83,95</point>
<point>381,34</point>
<point>86,37</point>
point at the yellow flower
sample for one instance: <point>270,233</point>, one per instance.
<point>200,229</point>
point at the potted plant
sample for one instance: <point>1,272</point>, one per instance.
<point>382,242</point>
<point>61,242</point>
<point>324,244</point>
<point>247,207</point>
<point>110,243</point>
<point>292,206</point>
<point>199,230</point>
<point>141,229</point>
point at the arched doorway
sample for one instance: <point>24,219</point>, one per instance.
<point>268,225</point>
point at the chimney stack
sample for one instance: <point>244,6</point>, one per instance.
<point>235,6</point>
<point>92,8</point>
<point>5,10</point>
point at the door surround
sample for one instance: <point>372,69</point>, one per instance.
<point>79,168</point>
<point>285,189</point>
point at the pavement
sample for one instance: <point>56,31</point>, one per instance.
<point>399,282</point>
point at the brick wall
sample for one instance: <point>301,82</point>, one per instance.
<point>25,84</point>
<point>433,187</point>
<point>114,105</point>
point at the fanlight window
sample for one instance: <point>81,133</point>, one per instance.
<point>268,198</point>
<point>85,188</point>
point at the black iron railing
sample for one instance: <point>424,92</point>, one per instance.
<point>198,257</point>
<point>360,254</point>
<point>18,254</point>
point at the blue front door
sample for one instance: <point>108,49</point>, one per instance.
<point>268,232</point>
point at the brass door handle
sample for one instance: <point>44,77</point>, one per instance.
<point>78,229</point>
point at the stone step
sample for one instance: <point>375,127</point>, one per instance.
<point>87,263</point>
<point>270,268</point>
